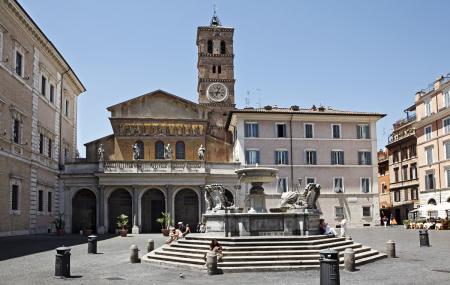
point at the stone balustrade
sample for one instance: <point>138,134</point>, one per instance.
<point>155,166</point>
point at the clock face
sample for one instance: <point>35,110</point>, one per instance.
<point>217,92</point>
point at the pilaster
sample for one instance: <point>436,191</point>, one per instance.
<point>135,211</point>
<point>101,229</point>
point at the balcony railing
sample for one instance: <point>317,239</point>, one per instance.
<point>400,135</point>
<point>404,121</point>
<point>156,166</point>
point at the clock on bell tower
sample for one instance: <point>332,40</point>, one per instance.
<point>215,65</point>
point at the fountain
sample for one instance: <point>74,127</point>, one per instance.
<point>298,216</point>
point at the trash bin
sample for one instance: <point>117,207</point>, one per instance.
<point>62,262</point>
<point>92,244</point>
<point>423,238</point>
<point>329,267</point>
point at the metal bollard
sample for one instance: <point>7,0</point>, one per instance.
<point>62,262</point>
<point>349,259</point>
<point>423,238</point>
<point>151,245</point>
<point>390,245</point>
<point>92,244</point>
<point>329,267</point>
<point>211,263</point>
<point>134,255</point>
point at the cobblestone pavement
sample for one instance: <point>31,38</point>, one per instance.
<point>30,260</point>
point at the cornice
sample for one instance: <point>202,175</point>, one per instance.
<point>216,80</point>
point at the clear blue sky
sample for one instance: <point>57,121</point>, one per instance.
<point>353,55</point>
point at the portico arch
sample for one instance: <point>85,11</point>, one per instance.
<point>153,202</point>
<point>119,202</point>
<point>84,214</point>
<point>187,207</point>
<point>432,202</point>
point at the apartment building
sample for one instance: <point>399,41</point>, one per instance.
<point>384,194</point>
<point>402,149</point>
<point>433,141</point>
<point>337,149</point>
<point>38,111</point>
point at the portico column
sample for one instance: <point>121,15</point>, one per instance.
<point>135,210</point>
<point>101,209</point>
<point>169,200</point>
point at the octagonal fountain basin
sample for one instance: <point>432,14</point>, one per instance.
<point>257,174</point>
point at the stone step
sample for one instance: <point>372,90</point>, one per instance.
<point>261,243</point>
<point>369,259</point>
<point>193,261</point>
<point>255,238</point>
<point>167,263</point>
<point>271,247</point>
<point>270,268</point>
<point>361,255</point>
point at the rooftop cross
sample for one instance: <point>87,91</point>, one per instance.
<point>215,19</point>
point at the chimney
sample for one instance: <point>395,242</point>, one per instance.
<point>437,83</point>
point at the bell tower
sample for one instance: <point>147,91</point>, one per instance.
<point>215,65</point>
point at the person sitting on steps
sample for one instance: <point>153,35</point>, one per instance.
<point>216,248</point>
<point>172,236</point>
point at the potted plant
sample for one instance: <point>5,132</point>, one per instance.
<point>59,224</point>
<point>122,222</point>
<point>166,222</point>
<point>406,224</point>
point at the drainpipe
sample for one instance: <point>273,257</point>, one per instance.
<point>292,155</point>
<point>60,117</point>
<point>439,165</point>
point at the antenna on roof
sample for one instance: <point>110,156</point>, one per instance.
<point>247,99</point>
<point>259,97</point>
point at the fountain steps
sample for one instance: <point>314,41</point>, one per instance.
<point>238,256</point>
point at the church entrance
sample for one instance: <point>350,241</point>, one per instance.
<point>84,211</point>
<point>153,203</point>
<point>186,208</point>
<point>119,203</point>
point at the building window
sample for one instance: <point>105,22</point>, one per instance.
<point>447,98</point>
<point>49,202</point>
<point>413,171</point>
<point>404,152</point>
<point>447,175</point>
<point>339,212</point>
<point>364,158</point>
<point>282,185</point>
<point>412,151</point>
<point>446,124</point>
<point>252,156</point>
<point>365,185</point>
<point>383,188</point>
<point>16,131</point>
<point>40,201</point>
<point>213,69</point>
<point>210,46</point>
<point>19,63</point>
<point>429,154</point>
<point>41,143</point>
<point>397,196</point>
<point>338,184</point>
<point>447,149</point>
<point>251,130</point>
<point>50,147</point>
<point>222,47</point>
<point>281,157</point>
<point>427,108</point>
<point>337,157</point>
<point>219,69</point>
<point>414,194</point>
<point>66,109</point>
<point>363,131</point>
<point>395,156</point>
<point>43,85</point>
<point>310,180</point>
<point>336,131</point>
<point>66,155</point>
<point>429,181</point>
<point>428,132</point>
<point>366,211</point>
<point>309,131</point>
<point>180,150</point>
<point>396,174</point>
<point>281,130</point>
<point>14,197</point>
<point>310,157</point>
<point>159,150</point>
<point>406,192</point>
<point>52,93</point>
<point>405,172</point>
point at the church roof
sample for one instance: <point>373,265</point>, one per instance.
<point>158,91</point>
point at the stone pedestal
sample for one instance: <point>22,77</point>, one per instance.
<point>135,230</point>
<point>257,203</point>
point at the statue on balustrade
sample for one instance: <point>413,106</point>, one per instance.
<point>101,153</point>
<point>201,152</point>
<point>168,151</point>
<point>215,198</point>
<point>305,200</point>
<point>136,151</point>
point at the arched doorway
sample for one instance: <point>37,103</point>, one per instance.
<point>186,207</point>
<point>229,196</point>
<point>432,202</point>
<point>119,203</point>
<point>153,203</point>
<point>84,214</point>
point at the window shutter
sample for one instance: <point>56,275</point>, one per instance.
<point>343,161</point>
<point>256,130</point>
<point>367,131</point>
<point>257,156</point>
<point>246,130</point>
<point>276,157</point>
<point>358,132</point>
<point>246,157</point>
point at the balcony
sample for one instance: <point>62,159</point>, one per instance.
<point>396,136</point>
<point>404,121</point>
<point>154,166</point>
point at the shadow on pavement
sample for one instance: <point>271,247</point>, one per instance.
<point>17,246</point>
